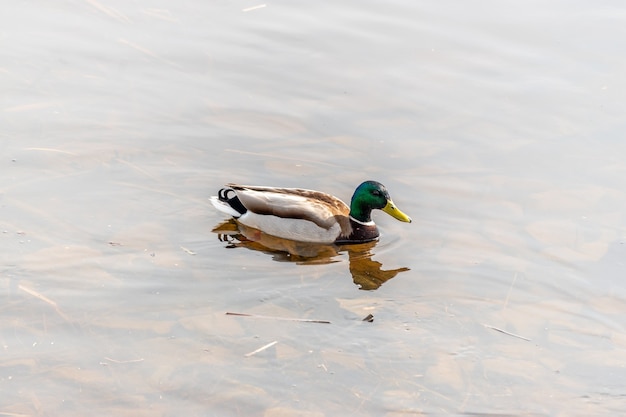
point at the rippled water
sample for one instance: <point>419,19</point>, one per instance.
<point>496,126</point>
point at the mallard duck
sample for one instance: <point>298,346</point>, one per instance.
<point>307,215</point>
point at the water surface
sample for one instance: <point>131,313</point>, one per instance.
<point>496,126</point>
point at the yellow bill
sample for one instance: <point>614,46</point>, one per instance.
<point>395,212</point>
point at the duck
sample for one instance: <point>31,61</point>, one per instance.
<point>307,215</point>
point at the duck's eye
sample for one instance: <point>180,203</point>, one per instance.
<point>376,193</point>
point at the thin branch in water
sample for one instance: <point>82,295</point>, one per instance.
<point>127,361</point>
<point>45,300</point>
<point>228,313</point>
<point>50,150</point>
<point>109,11</point>
<point>189,251</point>
<point>261,349</point>
<point>508,294</point>
<point>505,332</point>
<point>249,9</point>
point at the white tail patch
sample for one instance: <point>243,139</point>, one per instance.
<point>223,207</point>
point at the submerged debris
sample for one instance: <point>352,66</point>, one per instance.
<point>505,332</point>
<point>278,318</point>
<point>261,349</point>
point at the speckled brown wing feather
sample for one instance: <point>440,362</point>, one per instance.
<point>295,203</point>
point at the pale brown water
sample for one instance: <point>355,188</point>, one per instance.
<point>497,126</point>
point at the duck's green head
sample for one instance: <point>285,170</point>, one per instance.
<point>372,195</point>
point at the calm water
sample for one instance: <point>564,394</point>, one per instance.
<point>498,126</point>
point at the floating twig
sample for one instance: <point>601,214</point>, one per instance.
<point>50,150</point>
<point>505,332</point>
<point>45,300</point>
<point>249,9</point>
<point>261,349</point>
<point>189,251</point>
<point>228,313</point>
<point>126,361</point>
<point>508,294</point>
<point>109,11</point>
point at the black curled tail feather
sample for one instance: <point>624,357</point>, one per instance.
<point>233,201</point>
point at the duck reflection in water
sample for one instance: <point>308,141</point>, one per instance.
<point>366,273</point>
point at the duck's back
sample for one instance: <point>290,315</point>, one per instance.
<point>293,213</point>
<point>292,203</point>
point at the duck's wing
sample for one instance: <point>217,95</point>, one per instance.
<point>323,209</point>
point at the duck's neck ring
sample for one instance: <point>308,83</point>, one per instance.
<point>369,223</point>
